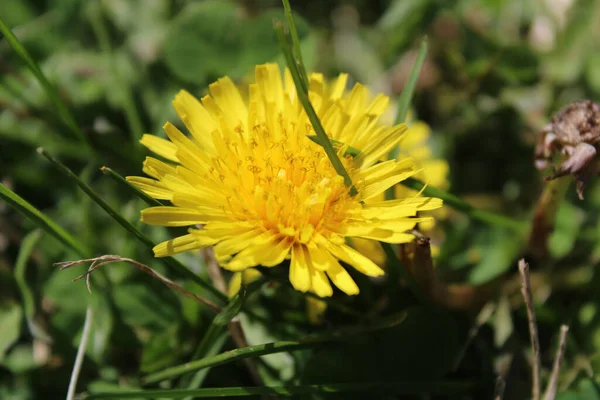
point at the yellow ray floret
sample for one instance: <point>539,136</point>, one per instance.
<point>249,182</point>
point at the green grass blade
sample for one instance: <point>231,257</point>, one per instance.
<point>302,91</point>
<point>40,219</point>
<point>271,348</point>
<point>400,388</point>
<point>463,206</point>
<point>409,88</point>
<point>295,40</point>
<point>231,356</point>
<point>62,109</point>
<point>27,245</point>
<point>212,342</point>
<point>151,201</point>
<point>232,308</point>
<point>405,99</point>
<point>170,262</point>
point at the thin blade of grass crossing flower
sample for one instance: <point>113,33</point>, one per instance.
<point>448,198</point>
<point>168,261</point>
<point>330,151</point>
<point>302,91</point>
<point>272,348</point>
<point>406,388</point>
<point>62,109</point>
<point>295,40</point>
<point>152,202</point>
<point>405,99</point>
<point>411,83</point>
<point>41,220</point>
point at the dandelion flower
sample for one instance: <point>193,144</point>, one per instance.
<point>249,182</point>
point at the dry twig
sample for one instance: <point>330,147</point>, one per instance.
<point>533,332</point>
<point>98,262</point>
<point>560,353</point>
<point>234,327</point>
<point>499,388</point>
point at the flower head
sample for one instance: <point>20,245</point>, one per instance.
<point>251,184</point>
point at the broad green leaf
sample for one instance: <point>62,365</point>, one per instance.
<point>498,252</point>
<point>205,40</point>
<point>21,359</point>
<point>259,40</point>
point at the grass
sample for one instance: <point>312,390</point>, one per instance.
<point>86,80</point>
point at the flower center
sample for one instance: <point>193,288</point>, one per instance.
<point>283,184</point>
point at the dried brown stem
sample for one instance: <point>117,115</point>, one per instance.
<point>234,327</point>
<point>499,388</point>
<point>98,262</point>
<point>560,353</point>
<point>533,332</point>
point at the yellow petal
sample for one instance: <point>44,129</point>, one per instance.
<point>299,272</point>
<point>151,187</point>
<point>320,284</point>
<point>354,258</point>
<point>320,258</point>
<point>234,284</point>
<point>177,245</point>
<point>160,146</point>
<point>176,216</point>
<point>342,279</point>
<point>195,117</point>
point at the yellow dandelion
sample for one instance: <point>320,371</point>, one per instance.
<point>250,183</point>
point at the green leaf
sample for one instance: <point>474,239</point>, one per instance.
<point>21,359</point>
<point>11,318</point>
<point>204,39</point>
<point>567,226</point>
<point>427,337</point>
<point>29,211</point>
<point>231,309</point>
<point>499,250</point>
<point>260,43</point>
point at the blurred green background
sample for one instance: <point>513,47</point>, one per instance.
<point>496,71</point>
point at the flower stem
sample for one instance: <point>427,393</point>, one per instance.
<point>463,206</point>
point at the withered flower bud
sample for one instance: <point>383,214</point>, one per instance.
<point>574,134</point>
